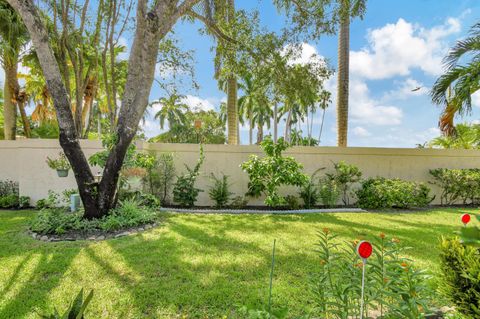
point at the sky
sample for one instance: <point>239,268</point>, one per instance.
<point>397,47</point>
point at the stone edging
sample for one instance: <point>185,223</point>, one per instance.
<point>264,212</point>
<point>92,237</point>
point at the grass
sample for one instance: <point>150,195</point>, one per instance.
<point>193,266</point>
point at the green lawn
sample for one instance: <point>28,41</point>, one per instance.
<point>193,266</point>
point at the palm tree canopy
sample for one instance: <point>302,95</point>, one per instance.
<point>172,109</point>
<point>453,89</point>
<point>13,34</point>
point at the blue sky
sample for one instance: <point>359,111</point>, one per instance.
<point>397,47</point>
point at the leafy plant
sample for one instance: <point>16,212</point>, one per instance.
<point>239,202</point>
<point>292,202</point>
<point>328,192</point>
<point>457,185</point>
<point>76,309</point>
<point>129,213</point>
<point>9,201</point>
<point>460,282</point>
<point>345,175</point>
<point>220,191</point>
<point>395,286</point>
<point>59,163</point>
<point>267,174</point>
<point>309,191</point>
<point>24,201</point>
<point>392,193</point>
<point>184,191</point>
<point>52,201</point>
<point>8,187</point>
<point>159,178</point>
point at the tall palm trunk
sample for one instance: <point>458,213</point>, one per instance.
<point>275,122</point>
<point>321,127</point>
<point>9,105</point>
<point>288,128</point>
<point>259,133</point>
<point>232,112</point>
<point>21,99</point>
<point>250,127</point>
<point>342,85</point>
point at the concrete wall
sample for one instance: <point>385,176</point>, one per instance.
<point>24,161</point>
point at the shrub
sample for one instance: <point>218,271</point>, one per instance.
<point>457,184</point>
<point>328,192</point>
<point>460,282</point>
<point>58,221</point>
<point>239,202</point>
<point>8,187</point>
<point>292,202</point>
<point>309,191</point>
<point>220,191</point>
<point>395,285</point>
<point>345,175</point>
<point>184,191</point>
<point>274,170</point>
<point>24,201</point>
<point>9,201</point>
<point>52,201</point>
<point>392,193</point>
<point>159,178</point>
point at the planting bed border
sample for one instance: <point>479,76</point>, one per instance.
<point>259,211</point>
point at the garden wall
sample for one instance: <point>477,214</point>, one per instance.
<point>24,161</point>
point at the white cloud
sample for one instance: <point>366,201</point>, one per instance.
<point>197,103</point>
<point>396,49</point>
<point>476,99</point>
<point>361,132</point>
<point>406,89</point>
<point>366,110</point>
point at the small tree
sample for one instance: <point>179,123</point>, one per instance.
<point>345,175</point>
<point>184,191</point>
<point>274,170</point>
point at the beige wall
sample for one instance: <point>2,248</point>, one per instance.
<point>24,161</point>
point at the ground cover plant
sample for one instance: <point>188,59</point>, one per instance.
<point>196,266</point>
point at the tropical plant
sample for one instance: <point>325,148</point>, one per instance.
<point>14,38</point>
<point>75,310</point>
<point>220,191</point>
<point>460,281</point>
<point>457,185</point>
<point>172,109</point>
<point>344,176</point>
<point>184,191</point>
<point>267,174</point>
<point>326,16</point>
<point>159,178</point>
<point>466,136</point>
<point>328,192</point>
<point>453,90</point>
<point>309,191</point>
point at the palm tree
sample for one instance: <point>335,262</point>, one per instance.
<point>247,103</point>
<point>262,114</point>
<point>324,103</point>
<point>453,90</point>
<point>173,110</point>
<point>466,137</point>
<point>14,37</point>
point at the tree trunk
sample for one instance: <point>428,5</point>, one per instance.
<point>232,112</point>
<point>287,126</point>
<point>275,122</point>
<point>342,85</point>
<point>151,26</point>
<point>21,99</point>
<point>259,133</point>
<point>250,127</point>
<point>321,128</point>
<point>9,105</point>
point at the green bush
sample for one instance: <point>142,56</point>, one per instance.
<point>159,178</point>
<point>292,202</point>
<point>52,201</point>
<point>220,191</point>
<point>8,187</point>
<point>267,174</point>
<point>460,282</point>
<point>9,201</point>
<point>329,192</point>
<point>58,221</point>
<point>239,202</point>
<point>392,193</point>
<point>184,191</point>
<point>345,175</point>
<point>24,201</point>
<point>457,185</point>
<point>309,192</point>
